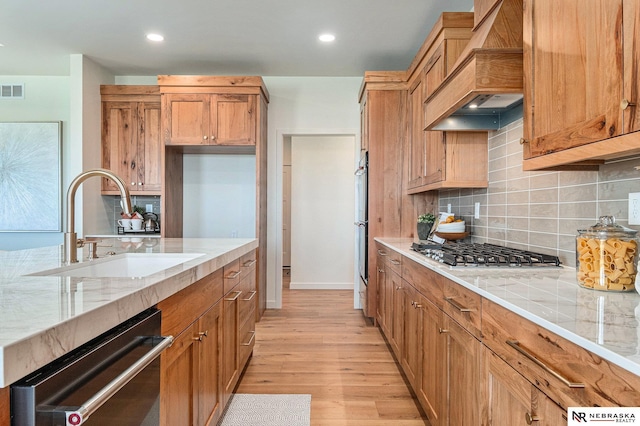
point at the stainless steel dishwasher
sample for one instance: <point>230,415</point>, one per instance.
<point>112,380</point>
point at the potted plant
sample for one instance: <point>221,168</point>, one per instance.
<point>425,222</point>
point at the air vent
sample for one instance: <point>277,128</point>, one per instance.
<point>13,91</point>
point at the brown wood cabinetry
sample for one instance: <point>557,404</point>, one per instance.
<point>581,86</point>
<point>131,143</point>
<point>209,119</point>
<point>214,333</point>
<point>190,387</point>
<point>511,400</point>
<point>383,101</point>
<point>214,115</point>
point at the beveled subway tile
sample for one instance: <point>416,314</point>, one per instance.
<point>497,222</point>
<point>577,210</point>
<point>514,131</point>
<point>495,187</point>
<point>518,210</point>
<point>571,226</point>
<point>497,164</point>
<point>587,192</point>
<point>618,209</point>
<point>617,190</point>
<point>499,139</point>
<point>620,170</point>
<point>543,239</point>
<point>517,197</point>
<point>543,210</point>
<point>544,225</point>
<point>519,223</point>
<point>497,175</point>
<point>497,198</point>
<point>496,234</point>
<point>517,236</point>
<point>514,160</point>
<point>567,242</point>
<point>544,195</point>
<point>521,184</point>
<point>498,152</point>
<point>548,180</point>
<point>516,172</point>
<point>571,178</point>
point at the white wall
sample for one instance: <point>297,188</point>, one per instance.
<point>46,99</point>
<point>301,106</point>
<point>322,212</point>
<point>219,196</point>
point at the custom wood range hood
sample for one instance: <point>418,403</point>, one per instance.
<point>484,89</point>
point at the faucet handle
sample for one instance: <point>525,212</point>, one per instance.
<point>80,242</point>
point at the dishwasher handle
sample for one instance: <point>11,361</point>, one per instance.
<point>82,413</point>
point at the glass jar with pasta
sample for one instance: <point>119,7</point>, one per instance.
<point>606,256</point>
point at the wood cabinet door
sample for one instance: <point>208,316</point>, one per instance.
<point>416,151</point>
<point>397,312</point>
<point>574,70</point>
<point>230,344</point>
<point>384,295</point>
<point>431,389</point>
<point>463,375</point>
<point>233,119</point>
<point>210,396</point>
<point>185,119</point>
<point>631,42</point>
<point>435,165</point>
<point>150,147</point>
<point>119,143</point>
<point>411,360</point>
<point>364,125</point>
<point>179,380</point>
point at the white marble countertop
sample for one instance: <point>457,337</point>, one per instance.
<point>44,317</point>
<point>605,323</point>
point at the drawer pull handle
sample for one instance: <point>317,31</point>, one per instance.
<point>234,298</point>
<point>253,293</point>
<point>253,335</point>
<point>395,262</point>
<point>530,419</point>
<point>516,345</point>
<point>382,253</point>
<point>442,330</point>
<point>233,275</point>
<point>456,305</point>
<point>201,335</point>
<point>381,271</point>
<point>249,263</point>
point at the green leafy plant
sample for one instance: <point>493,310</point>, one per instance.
<point>426,218</point>
<point>138,209</point>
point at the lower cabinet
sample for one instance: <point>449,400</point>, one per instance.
<point>513,400</point>
<point>431,389</point>
<point>214,332</point>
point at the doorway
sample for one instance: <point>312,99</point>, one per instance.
<point>317,247</point>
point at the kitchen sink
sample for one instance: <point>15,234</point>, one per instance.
<point>127,265</point>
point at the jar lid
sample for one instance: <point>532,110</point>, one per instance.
<point>607,227</point>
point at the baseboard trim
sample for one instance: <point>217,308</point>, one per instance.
<point>320,286</point>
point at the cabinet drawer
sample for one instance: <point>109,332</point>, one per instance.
<point>248,264</point>
<point>231,273</point>
<point>246,339</point>
<point>428,283</point>
<point>247,300</point>
<point>184,307</point>
<point>463,305</point>
<point>566,372</point>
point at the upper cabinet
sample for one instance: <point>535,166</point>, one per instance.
<point>131,143</point>
<point>437,159</point>
<point>211,110</point>
<point>581,85</point>
<point>209,119</point>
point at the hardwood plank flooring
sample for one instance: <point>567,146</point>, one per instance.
<point>318,344</point>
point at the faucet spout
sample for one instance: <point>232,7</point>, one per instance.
<point>70,236</point>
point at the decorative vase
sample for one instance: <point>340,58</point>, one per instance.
<point>423,230</point>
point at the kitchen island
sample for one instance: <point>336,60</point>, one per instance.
<point>44,317</point>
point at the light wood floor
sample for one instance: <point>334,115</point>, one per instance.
<point>319,345</point>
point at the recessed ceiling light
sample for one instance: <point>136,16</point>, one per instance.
<point>1,45</point>
<point>155,37</point>
<point>327,37</point>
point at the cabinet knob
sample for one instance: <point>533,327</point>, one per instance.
<point>625,104</point>
<point>140,183</point>
<point>213,137</point>
<point>523,141</point>
<point>206,137</point>
<point>133,184</point>
<point>530,419</point>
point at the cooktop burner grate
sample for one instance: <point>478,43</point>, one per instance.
<point>474,254</point>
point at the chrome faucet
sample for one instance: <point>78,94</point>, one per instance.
<point>70,238</point>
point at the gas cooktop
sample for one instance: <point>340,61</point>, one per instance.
<point>485,254</point>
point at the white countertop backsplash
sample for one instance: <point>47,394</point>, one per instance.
<point>44,317</point>
<point>605,323</point>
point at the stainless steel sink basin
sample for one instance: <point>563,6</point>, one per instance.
<point>127,265</point>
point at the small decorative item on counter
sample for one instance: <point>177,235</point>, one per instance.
<point>425,222</point>
<point>606,256</point>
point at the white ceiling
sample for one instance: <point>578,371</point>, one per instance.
<point>242,37</point>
